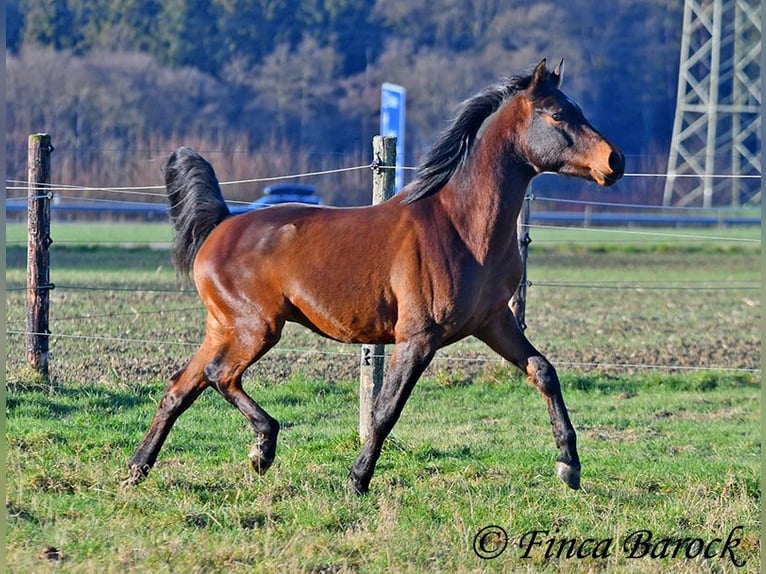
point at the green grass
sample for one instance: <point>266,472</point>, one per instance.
<point>633,239</point>
<point>95,233</point>
<point>673,452</point>
<point>599,238</point>
<point>678,456</point>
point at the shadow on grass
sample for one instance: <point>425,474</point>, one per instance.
<point>55,400</point>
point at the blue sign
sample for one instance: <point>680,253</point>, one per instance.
<point>393,100</point>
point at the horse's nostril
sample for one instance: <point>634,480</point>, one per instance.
<point>617,162</point>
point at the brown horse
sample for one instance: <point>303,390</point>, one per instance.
<point>447,263</point>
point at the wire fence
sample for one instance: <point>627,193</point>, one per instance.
<point>158,191</point>
<point>639,287</point>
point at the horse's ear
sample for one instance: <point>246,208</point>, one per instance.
<point>558,73</point>
<point>540,74</point>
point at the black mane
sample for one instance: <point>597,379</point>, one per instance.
<point>454,144</point>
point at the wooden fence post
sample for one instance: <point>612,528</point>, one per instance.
<point>38,257</point>
<point>519,300</point>
<point>373,356</point>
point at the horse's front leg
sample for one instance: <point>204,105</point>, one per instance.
<point>504,336</point>
<point>408,361</point>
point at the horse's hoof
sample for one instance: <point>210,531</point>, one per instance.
<point>568,474</point>
<point>259,460</point>
<point>359,486</point>
<point>137,473</point>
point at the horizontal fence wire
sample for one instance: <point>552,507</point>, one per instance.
<point>631,205</point>
<point>18,185</point>
<point>619,285</point>
<point>355,354</point>
<point>136,289</point>
<point>637,286</point>
<point>643,233</point>
<point>22,185</point>
<point>68,192</point>
<point>755,286</point>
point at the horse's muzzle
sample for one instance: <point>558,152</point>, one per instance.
<point>612,172</point>
<point>617,165</point>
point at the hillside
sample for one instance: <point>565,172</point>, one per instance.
<point>268,88</point>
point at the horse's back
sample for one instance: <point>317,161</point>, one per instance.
<point>308,264</point>
<point>361,275</point>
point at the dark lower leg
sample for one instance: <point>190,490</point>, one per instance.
<point>504,335</point>
<point>179,395</point>
<point>224,373</point>
<point>544,376</point>
<point>364,467</point>
<point>266,427</point>
<point>407,364</point>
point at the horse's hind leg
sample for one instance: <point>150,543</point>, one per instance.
<point>504,336</point>
<point>225,374</point>
<point>184,388</point>
<point>220,362</point>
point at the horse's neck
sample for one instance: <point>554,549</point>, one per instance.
<point>484,203</point>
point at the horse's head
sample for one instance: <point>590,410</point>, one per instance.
<point>558,137</point>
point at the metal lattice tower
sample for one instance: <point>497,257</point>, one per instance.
<point>716,131</point>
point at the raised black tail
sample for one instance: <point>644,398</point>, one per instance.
<point>196,204</point>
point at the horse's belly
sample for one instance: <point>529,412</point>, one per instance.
<point>348,322</point>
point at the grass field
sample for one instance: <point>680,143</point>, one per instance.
<point>100,233</point>
<point>671,452</point>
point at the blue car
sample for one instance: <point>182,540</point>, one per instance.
<point>287,193</point>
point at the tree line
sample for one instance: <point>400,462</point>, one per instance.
<point>269,87</point>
